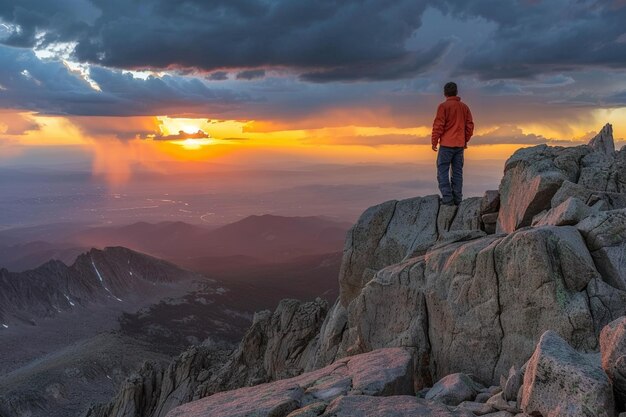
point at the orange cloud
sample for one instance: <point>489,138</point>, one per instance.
<point>117,127</point>
<point>16,122</point>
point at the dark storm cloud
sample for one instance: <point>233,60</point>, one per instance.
<point>617,99</point>
<point>251,74</point>
<point>326,40</point>
<point>403,67</point>
<point>62,20</point>
<point>218,76</point>
<point>48,87</point>
<point>539,37</point>
<point>322,40</point>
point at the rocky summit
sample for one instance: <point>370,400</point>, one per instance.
<point>509,304</point>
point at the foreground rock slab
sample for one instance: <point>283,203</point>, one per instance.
<point>396,406</point>
<point>381,372</point>
<point>562,382</point>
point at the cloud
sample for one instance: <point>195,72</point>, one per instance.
<point>351,39</point>
<point>122,128</point>
<point>617,99</point>
<point>14,122</point>
<point>250,74</point>
<point>182,135</point>
<point>543,37</point>
<point>48,86</point>
<point>371,140</point>
<point>507,134</point>
<point>513,135</point>
<point>218,76</point>
<point>502,135</point>
<point>325,41</point>
<point>405,66</point>
<point>62,20</point>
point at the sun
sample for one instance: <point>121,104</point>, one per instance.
<point>174,125</point>
<point>193,144</point>
<point>190,134</point>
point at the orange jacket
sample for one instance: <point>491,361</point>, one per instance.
<point>453,125</point>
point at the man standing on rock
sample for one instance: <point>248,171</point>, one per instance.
<point>452,129</point>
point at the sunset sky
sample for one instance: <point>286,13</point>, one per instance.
<point>136,83</point>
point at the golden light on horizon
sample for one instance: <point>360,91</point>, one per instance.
<point>119,144</point>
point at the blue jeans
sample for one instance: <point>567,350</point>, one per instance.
<point>450,159</point>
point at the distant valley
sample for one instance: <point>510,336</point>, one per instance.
<point>75,320</point>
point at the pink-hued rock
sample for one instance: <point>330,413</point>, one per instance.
<point>570,212</point>
<point>562,382</point>
<point>531,178</point>
<point>613,343</point>
<point>381,372</point>
<point>396,406</point>
<point>613,350</point>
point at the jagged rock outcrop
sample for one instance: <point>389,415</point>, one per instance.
<point>478,304</point>
<point>155,390</point>
<point>531,178</point>
<point>534,177</point>
<point>603,141</point>
<point>496,294</point>
<point>277,345</point>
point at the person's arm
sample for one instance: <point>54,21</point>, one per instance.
<point>469,126</point>
<point>438,126</point>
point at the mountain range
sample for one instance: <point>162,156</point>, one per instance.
<point>72,331</point>
<point>261,239</point>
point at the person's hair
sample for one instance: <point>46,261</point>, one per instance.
<point>450,89</point>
